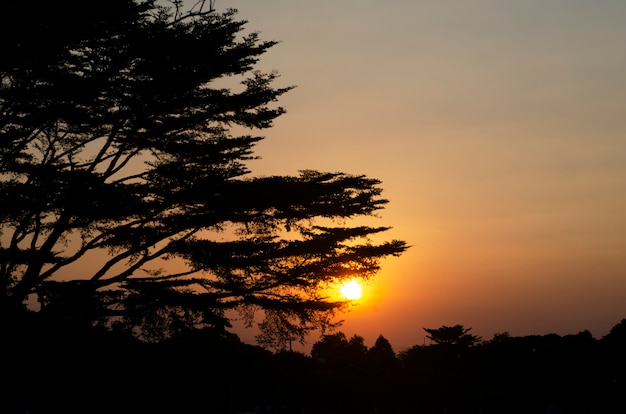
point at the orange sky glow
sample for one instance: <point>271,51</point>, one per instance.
<point>498,129</point>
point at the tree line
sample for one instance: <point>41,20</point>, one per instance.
<point>206,371</point>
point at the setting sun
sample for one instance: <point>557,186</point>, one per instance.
<point>351,290</point>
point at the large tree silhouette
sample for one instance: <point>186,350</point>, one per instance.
<point>125,128</point>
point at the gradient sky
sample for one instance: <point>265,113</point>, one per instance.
<point>498,128</point>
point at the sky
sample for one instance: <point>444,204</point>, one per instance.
<point>498,130</point>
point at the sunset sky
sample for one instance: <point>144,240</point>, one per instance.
<point>498,129</point>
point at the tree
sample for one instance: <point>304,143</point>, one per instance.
<point>452,335</point>
<point>617,334</point>
<point>381,355</point>
<point>329,346</point>
<point>339,352</point>
<point>383,375</point>
<point>125,128</point>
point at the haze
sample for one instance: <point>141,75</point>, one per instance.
<point>498,130</point>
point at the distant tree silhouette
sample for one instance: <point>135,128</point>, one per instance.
<point>381,355</point>
<point>382,375</point>
<point>617,334</point>
<point>500,337</point>
<point>343,370</point>
<point>330,346</point>
<point>356,347</point>
<point>452,335</point>
<point>125,128</point>
<point>614,361</point>
<point>339,352</point>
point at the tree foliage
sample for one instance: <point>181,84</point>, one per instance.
<point>617,334</point>
<point>125,132</point>
<point>382,353</point>
<point>205,372</point>
<point>452,335</point>
<point>337,351</point>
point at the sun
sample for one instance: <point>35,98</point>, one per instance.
<point>351,290</point>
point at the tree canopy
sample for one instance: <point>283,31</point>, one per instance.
<point>337,351</point>
<point>452,335</point>
<point>125,132</point>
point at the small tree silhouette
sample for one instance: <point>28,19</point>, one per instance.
<point>381,354</point>
<point>452,335</point>
<point>339,352</point>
